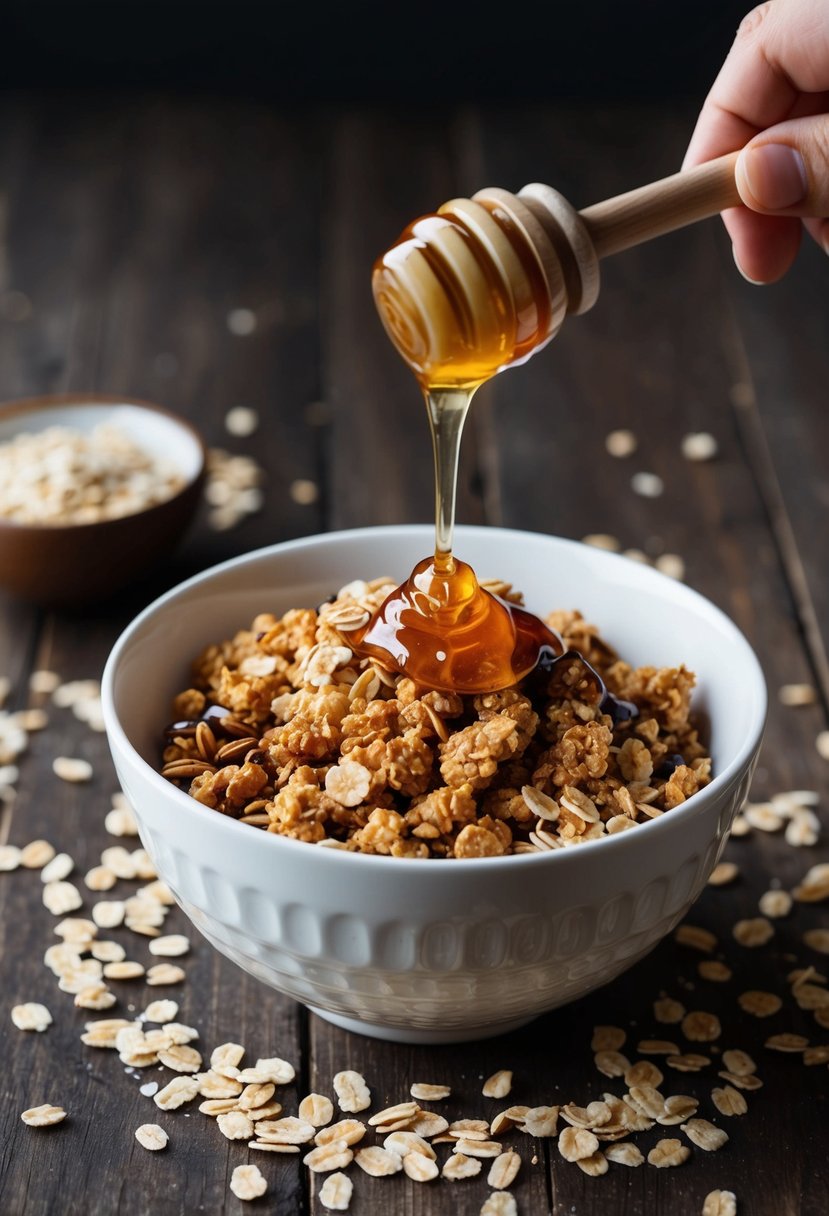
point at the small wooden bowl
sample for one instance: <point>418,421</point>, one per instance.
<point>75,564</point>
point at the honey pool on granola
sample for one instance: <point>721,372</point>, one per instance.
<point>285,729</point>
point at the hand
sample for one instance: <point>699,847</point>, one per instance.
<point>771,98</point>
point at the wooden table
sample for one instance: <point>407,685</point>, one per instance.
<point>134,226</point>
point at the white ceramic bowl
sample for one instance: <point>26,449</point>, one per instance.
<point>434,951</point>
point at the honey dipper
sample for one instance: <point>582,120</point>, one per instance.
<point>485,282</point>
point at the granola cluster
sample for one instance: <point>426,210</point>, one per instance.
<point>285,728</point>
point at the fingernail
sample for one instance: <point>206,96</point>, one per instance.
<point>775,176</point>
<point>754,282</point>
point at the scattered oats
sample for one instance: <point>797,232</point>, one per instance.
<point>822,1018</point>
<point>729,1101</point>
<point>226,1058</point>
<point>335,1155</point>
<point>643,1073</point>
<point>822,744</point>
<point>816,1055</point>
<point>620,443</point>
<point>648,485</point>
<point>176,1092</point>
<point>419,1167</point>
<point>713,969</point>
<point>172,946</point>
<point>739,1062</point>
<point>391,1114</point>
<point>316,1109</point>
<point>125,970</point>
<point>575,1143</point>
<point>608,1038</point>
<point>498,1085</point>
<point>119,860</point>
<point>775,903</point>
<point>500,1203</point>
<point>352,1092</point>
<point>71,769</point>
<point>161,1011</point>
<point>720,1203</point>
<point>740,826</point>
<point>503,1171</point>
<point>43,1116</point>
<point>699,445</point>
<point>213,1085</point>
<point>76,930</point>
<point>288,1130</point>
<point>304,492</point>
<point>672,565</point>
<point>755,931</point>
<point>335,1192</point>
<point>750,1082</point>
<point>36,854</point>
<point>624,1153</point>
<point>378,1162</point>
<point>44,682</point>
<point>405,1143</point>
<point>667,1153</point>
<point>611,1063</point>
<point>31,720</point>
<point>100,878</point>
<point>696,937</point>
<point>255,1096</point>
<point>60,867</point>
<point>350,1130</point>
<point>705,1135</point>
<point>120,821</point>
<point>273,1069</point>
<point>602,540</point>
<point>235,1125</point>
<point>787,1042</point>
<point>638,555</point>
<point>458,1167</point>
<point>689,1062</point>
<point>241,321</point>
<point>796,694</point>
<point>151,1136</point>
<point>723,873</point>
<point>803,829</point>
<point>646,1099</point>
<point>241,421</point>
<point>477,1148</point>
<point>427,1124</point>
<point>657,1047</point>
<point>181,1058</point>
<point>676,1109</point>
<point>95,996</point>
<point>763,816</point>
<point>540,1121</point>
<point>701,1027</point>
<point>424,1092</point>
<point>247,1182</point>
<point>31,1016</point>
<point>668,1011</point>
<point>108,913</point>
<point>817,939</point>
<point>9,857</point>
<point>61,897</point>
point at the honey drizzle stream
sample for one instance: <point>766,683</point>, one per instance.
<point>447,410</point>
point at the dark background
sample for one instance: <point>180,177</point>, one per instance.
<point>368,50</point>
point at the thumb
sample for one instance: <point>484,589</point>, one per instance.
<point>785,170</point>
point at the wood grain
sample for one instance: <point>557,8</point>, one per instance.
<point>134,228</point>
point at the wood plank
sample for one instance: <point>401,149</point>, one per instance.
<point>657,355</point>
<point>188,244</point>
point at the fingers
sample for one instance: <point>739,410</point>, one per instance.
<point>786,168</point>
<point>764,246</point>
<point>780,53</point>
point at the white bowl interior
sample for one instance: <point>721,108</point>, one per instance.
<point>647,617</point>
<point>161,436</point>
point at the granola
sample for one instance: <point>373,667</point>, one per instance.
<point>285,729</point>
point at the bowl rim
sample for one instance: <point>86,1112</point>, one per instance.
<point>34,405</point>
<point>229,829</point>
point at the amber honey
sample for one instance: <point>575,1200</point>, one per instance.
<point>462,296</point>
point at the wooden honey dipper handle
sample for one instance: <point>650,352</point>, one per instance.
<point>650,211</point>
